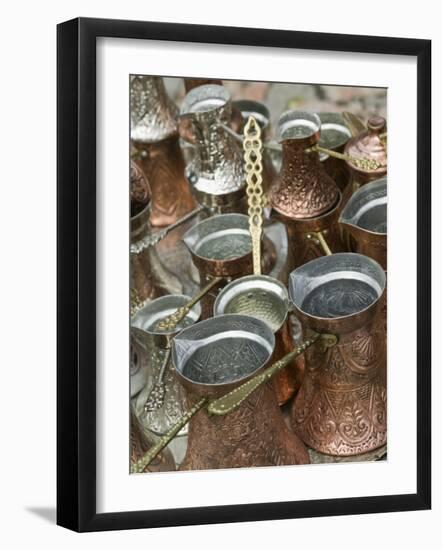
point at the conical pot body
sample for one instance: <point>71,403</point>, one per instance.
<point>341,407</point>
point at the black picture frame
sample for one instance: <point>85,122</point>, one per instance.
<point>76,273</point>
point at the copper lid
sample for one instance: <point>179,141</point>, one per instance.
<point>369,145</point>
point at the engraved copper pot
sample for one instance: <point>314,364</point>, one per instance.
<point>215,166</point>
<point>365,218</point>
<point>141,441</point>
<point>154,134</point>
<point>369,144</point>
<point>303,195</point>
<point>141,275</point>
<point>334,135</point>
<point>341,407</point>
<point>157,344</point>
<point>267,299</point>
<point>221,246</point>
<point>211,359</point>
<point>261,114</point>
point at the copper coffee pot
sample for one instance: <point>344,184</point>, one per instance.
<point>222,361</point>
<point>341,407</point>
<point>370,146</point>
<point>365,218</point>
<point>221,246</point>
<point>154,134</point>
<point>213,358</point>
<point>303,195</point>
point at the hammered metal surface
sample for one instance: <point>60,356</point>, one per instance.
<point>215,165</point>
<point>253,435</point>
<point>153,115</point>
<point>302,189</point>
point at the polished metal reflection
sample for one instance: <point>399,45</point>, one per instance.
<point>336,286</point>
<point>367,208</point>
<point>221,351</point>
<point>153,114</point>
<point>223,239</point>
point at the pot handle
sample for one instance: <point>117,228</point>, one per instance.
<point>233,399</point>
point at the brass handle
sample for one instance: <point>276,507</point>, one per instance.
<point>172,320</point>
<point>252,146</point>
<point>362,163</point>
<point>321,239</point>
<point>354,123</point>
<point>154,451</point>
<point>233,399</point>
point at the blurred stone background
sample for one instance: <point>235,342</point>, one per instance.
<point>363,102</point>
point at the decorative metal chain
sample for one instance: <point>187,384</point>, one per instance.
<point>252,146</point>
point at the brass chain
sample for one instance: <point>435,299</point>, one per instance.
<point>252,146</point>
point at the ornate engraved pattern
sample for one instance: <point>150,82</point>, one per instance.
<point>174,405</point>
<point>341,407</point>
<point>253,435</point>
<point>302,189</point>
